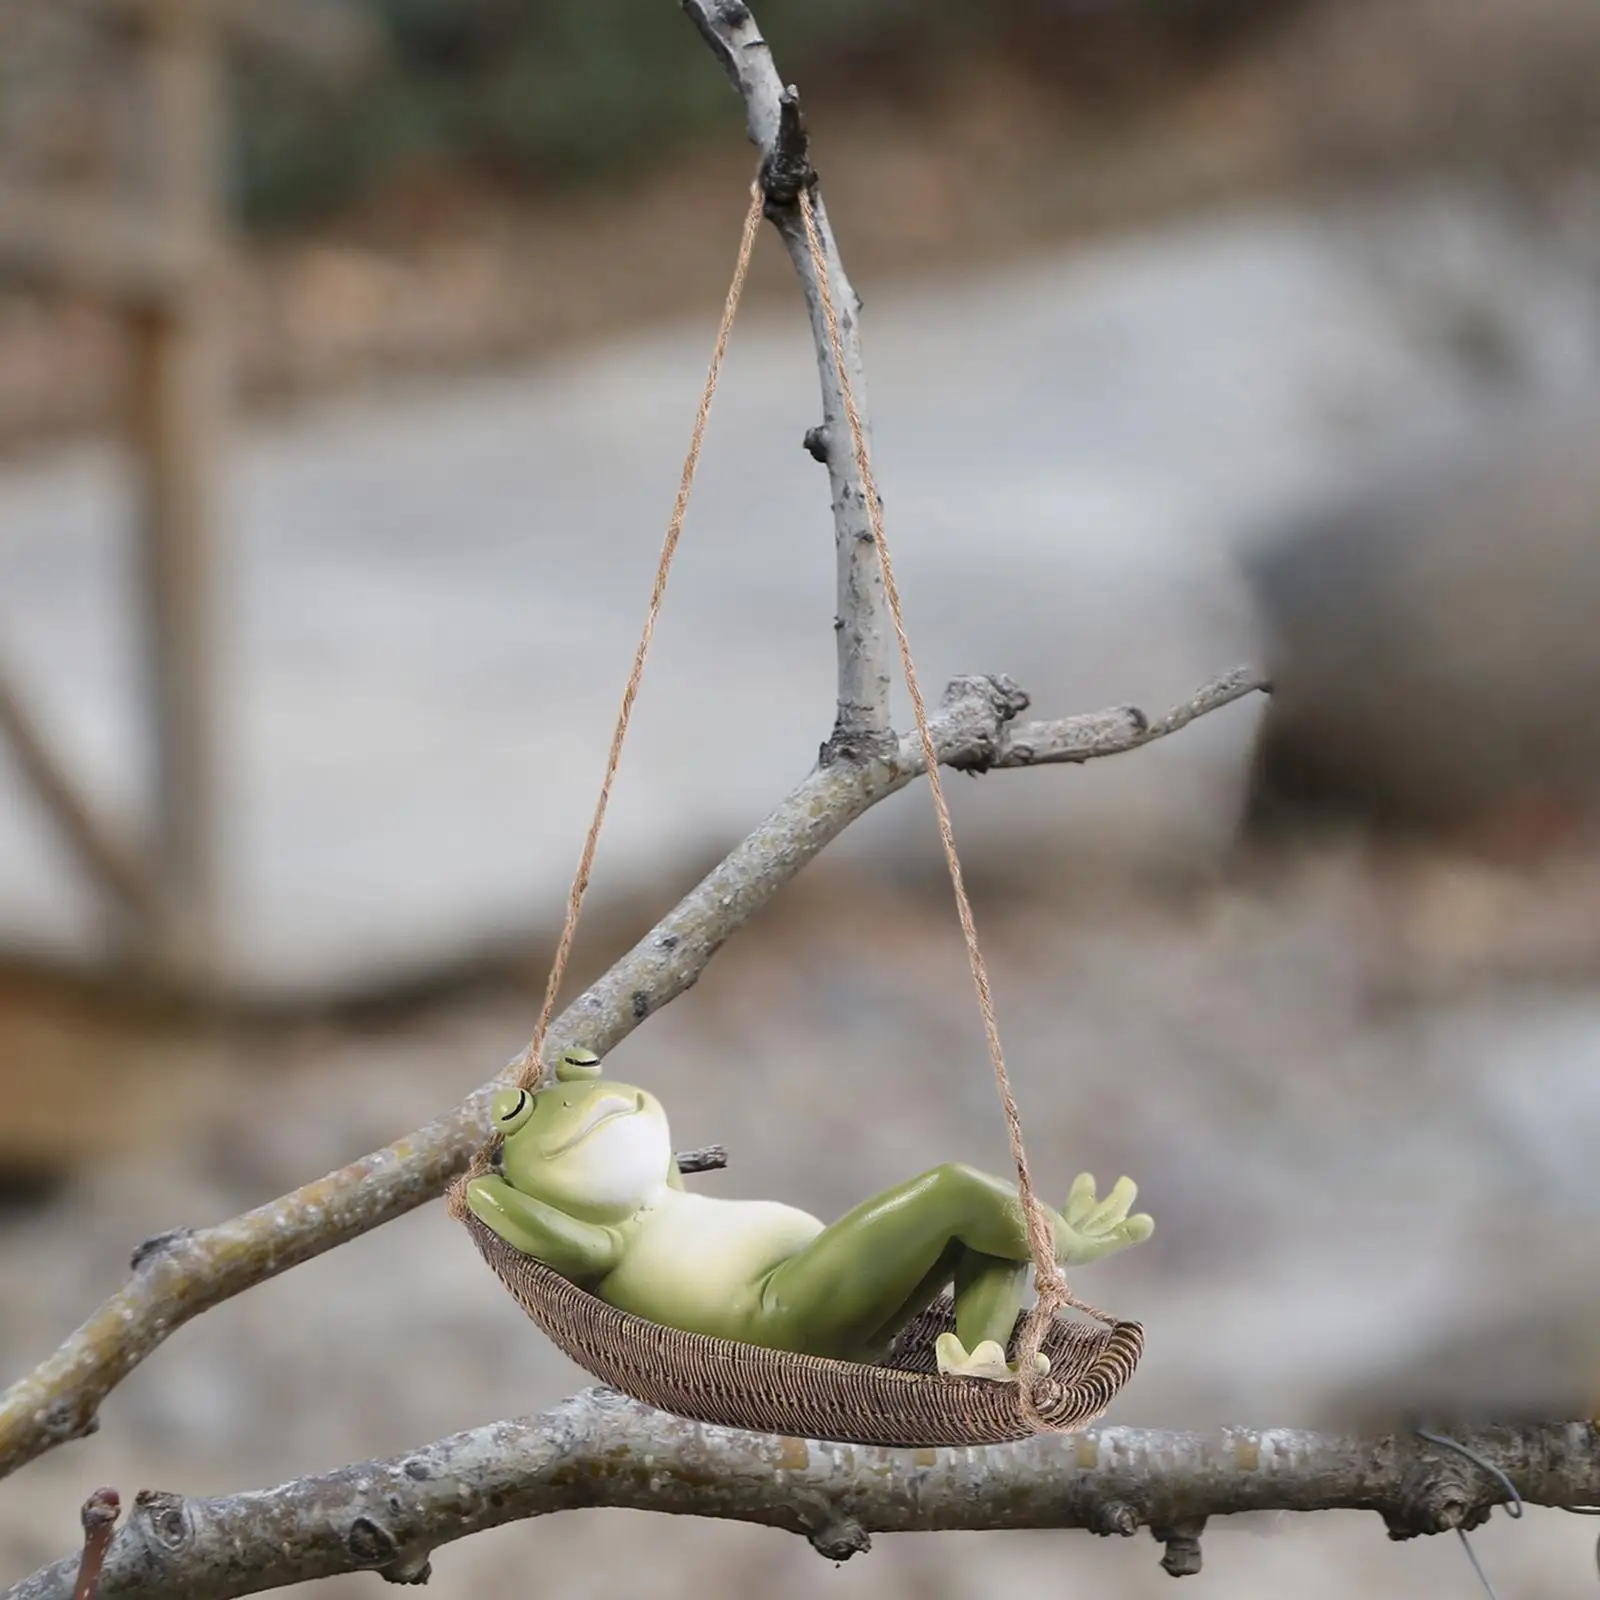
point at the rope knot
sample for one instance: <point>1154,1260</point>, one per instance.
<point>1054,1291</point>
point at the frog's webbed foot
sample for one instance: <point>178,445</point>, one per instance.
<point>986,1360</point>
<point>1102,1227</point>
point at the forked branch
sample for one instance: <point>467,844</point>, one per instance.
<point>183,1274</point>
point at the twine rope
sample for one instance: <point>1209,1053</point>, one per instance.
<point>1051,1283</point>
<point>532,1064</point>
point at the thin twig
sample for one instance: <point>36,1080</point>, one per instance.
<point>192,1270</point>
<point>599,1449</point>
<point>711,1158</point>
<point>1124,728</point>
<point>100,1512</point>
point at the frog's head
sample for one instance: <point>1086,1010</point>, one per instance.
<point>582,1143</point>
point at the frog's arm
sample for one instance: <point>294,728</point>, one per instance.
<point>581,1251</point>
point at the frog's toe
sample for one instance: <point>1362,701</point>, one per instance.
<point>950,1355</point>
<point>989,1361</point>
<point>956,1361</point>
<point>986,1360</point>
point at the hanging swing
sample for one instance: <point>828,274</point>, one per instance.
<point>902,1400</point>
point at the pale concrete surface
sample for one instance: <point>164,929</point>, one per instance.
<point>429,602</point>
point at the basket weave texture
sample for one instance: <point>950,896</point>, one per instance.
<point>904,1402</point>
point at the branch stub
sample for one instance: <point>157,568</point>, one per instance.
<point>840,1539</point>
<point>786,169</point>
<point>1183,1557</point>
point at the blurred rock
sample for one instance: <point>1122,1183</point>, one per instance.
<point>1524,1348</point>
<point>1433,644</point>
<point>1068,451</point>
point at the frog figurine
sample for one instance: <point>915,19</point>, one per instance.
<point>587,1184</point>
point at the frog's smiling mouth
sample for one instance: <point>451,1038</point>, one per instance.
<point>607,1109</point>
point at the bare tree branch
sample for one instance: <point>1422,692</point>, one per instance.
<point>182,1274</point>
<point>186,1272</point>
<point>1104,733</point>
<point>600,1449</point>
<point>772,114</point>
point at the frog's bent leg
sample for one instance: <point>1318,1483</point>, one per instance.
<point>988,1296</point>
<point>850,1290</point>
<point>581,1251</point>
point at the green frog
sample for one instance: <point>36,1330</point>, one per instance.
<point>587,1184</point>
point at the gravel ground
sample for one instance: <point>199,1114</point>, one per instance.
<point>1352,1088</point>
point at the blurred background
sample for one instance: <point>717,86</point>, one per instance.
<point>347,358</point>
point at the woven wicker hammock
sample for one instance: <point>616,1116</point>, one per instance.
<point>903,1403</point>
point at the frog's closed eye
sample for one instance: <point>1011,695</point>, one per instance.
<point>511,1109</point>
<point>577,1065</point>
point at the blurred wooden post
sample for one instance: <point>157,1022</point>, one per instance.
<point>178,395</point>
<point>159,262</point>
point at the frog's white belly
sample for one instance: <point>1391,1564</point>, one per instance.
<point>697,1262</point>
